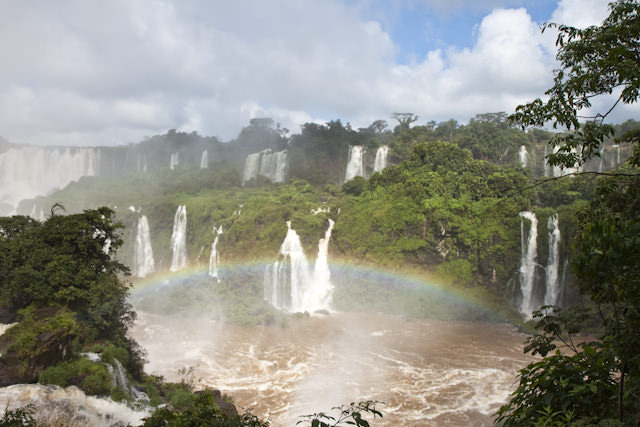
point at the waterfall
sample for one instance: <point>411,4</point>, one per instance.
<point>266,163</point>
<point>355,165</point>
<point>143,253</point>
<point>204,160</point>
<point>528,263</point>
<point>381,159</point>
<point>553,262</point>
<point>214,258</point>
<point>179,239</point>
<point>70,406</point>
<point>251,167</point>
<point>119,379</point>
<point>320,293</point>
<point>28,172</point>
<point>141,165</point>
<point>290,286</point>
<point>174,160</point>
<point>523,156</point>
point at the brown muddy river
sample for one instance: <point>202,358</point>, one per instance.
<point>427,372</point>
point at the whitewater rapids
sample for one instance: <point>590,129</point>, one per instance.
<point>428,372</point>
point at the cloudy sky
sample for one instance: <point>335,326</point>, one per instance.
<point>77,72</point>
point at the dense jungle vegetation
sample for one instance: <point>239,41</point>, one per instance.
<point>447,205</point>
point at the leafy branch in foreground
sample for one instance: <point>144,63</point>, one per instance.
<point>595,61</point>
<point>351,414</point>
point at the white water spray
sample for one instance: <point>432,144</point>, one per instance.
<point>28,172</point>
<point>290,286</point>
<point>382,156</point>
<point>204,160</point>
<point>143,253</point>
<point>553,263</point>
<point>174,160</point>
<point>179,239</point>
<point>69,406</point>
<point>528,263</point>
<point>355,165</point>
<point>266,163</point>
<point>214,258</point>
<point>523,156</point>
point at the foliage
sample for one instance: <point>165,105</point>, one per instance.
<point>200,410</point>
<point>20,417</point>
<point>92,377</point>
<point>595,61</point>
<point>351,414</point>
<point>596,381</point>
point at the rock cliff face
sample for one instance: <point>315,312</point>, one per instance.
<point>50,346</point>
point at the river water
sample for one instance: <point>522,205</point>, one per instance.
<point>427,372</point>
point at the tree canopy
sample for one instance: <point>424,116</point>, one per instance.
<point>593,382</point>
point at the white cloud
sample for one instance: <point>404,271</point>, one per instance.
<point>87,73</point>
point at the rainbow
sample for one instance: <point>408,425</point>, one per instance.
<point>417,283</point>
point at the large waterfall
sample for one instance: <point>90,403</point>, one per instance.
<point>552,293</point>
<point>214,258</point>
<point>179,239</point>
<point>355,165</point>
<point>35,171</point>
<point>143,253</point>
<point>382,156</point>
<point>204,160</point>
<point>290,286</point>
<point>266,163</point>
<point>528,263</point>
<point>539,285</point>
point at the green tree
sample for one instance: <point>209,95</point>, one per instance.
<point>595,61</point>
<point>599,380</point>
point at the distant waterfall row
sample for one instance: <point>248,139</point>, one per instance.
<point>143,262</point>
<point>610,156</point>
<point>539,285</point>
<point>290,285</point>
<point>33,171</point>
<point>356,164</point>
<point>266,163</point>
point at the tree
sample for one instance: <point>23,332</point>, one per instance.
<point>404,119</point>
<point>595,61</point>
<point>599,380</point>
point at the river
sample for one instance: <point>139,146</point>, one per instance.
<point>427,372</point>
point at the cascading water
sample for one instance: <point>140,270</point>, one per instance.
<point>528,263</point>
<point>289,285</point>
<point>355,165</point>
<point>34,171</point>
<point>382,155</point>
<point>69,406</point>
<point>204,160</point>
<point>553,263</point>
<point>214,258</point>
<point>174,160</point>
<point>320,293</point>
<point>266,163</point>
<point>141,162</point>
<point>119,379</point>
<point>143,253</point>
<point>179,239</point>
<point>523,156</point>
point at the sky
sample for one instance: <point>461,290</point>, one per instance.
<point>87,73</point>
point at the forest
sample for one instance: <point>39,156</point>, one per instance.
<point>454,203</point>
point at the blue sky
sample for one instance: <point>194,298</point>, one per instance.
<point>84,73</point>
